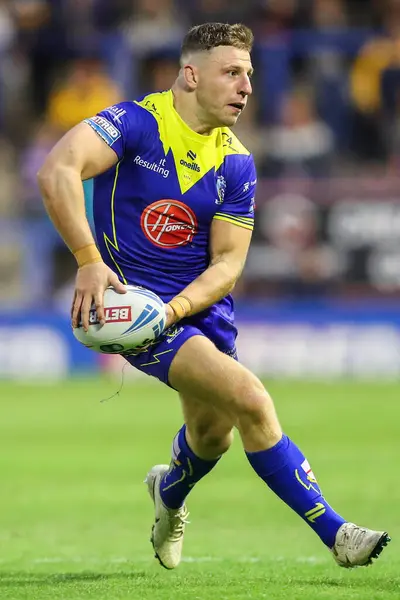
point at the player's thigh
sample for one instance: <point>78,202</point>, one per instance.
<point>200,370</point>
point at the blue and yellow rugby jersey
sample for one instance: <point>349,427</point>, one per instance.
<point>153,211</point>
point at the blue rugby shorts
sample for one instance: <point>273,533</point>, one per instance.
<point>216,323</point>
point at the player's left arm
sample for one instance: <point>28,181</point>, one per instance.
<point>230,237</point>
<point>229,245</point>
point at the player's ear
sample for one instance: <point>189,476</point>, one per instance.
<point>190,76</point>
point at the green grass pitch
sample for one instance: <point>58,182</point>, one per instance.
<point>75,517</point>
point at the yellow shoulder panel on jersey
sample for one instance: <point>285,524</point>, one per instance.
<point>155,104</point>
<point>231,144</point>
<point>194,154</point>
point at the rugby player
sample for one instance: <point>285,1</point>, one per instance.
<point>173,212</point>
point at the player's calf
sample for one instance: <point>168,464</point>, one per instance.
<point>287,472</point>
<point>208,440</point>
<point>186,469</point>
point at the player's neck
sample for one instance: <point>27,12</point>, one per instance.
<point>186,109</point>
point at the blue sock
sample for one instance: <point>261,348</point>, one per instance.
<point>185,471</point>
<point>286,471</point>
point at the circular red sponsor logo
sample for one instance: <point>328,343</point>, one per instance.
<point>169,223</point>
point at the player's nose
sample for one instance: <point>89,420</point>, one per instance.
<point>246,88</point>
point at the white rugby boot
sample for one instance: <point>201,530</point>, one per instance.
<point>357,546</point>
<point>169,526</point>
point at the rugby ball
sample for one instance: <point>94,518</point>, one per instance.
<point>133,320</point>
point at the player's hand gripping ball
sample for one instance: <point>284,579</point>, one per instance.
<point>132,321</point>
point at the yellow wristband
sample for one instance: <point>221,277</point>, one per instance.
<point>87,255</point>
<point>187,301</point>
<point>181,306</point>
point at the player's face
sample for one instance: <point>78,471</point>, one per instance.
<point>223,85</point>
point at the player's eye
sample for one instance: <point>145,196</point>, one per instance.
<point>233,73</point>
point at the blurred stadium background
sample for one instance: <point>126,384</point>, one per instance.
<point>319,300</point>
<point>320,292</point>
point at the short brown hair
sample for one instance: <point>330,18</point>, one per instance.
<point>211,35</point>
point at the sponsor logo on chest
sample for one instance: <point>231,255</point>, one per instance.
<point>156,167</point>
<point>169,223</point>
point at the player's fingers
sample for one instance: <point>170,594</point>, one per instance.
<point>85,308</point>
<point>117,285</point>
<point>76,307</point>
<point>98,300</point>
<point>72,306</point>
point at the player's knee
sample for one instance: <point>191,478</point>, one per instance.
<point>253,402</point>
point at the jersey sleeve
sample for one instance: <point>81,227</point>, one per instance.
<point>239,198</point>
<point>120,126</point>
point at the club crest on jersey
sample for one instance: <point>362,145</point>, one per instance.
<point>221,188</point>
<point>169,223</point>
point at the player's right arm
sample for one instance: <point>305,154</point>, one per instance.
<point>79,155</point>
